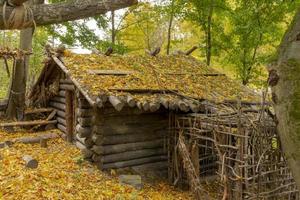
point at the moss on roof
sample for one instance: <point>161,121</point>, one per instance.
<point>155,73</point>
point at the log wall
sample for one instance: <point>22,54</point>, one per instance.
<point>128,138</point>
<point>59,103</point>
<point>112,139</point>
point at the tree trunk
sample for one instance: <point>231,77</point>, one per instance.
<point>209,34</point>
<point>70,10</point>
<point>284,78</point>
<point>113,28</point>
<point>170,27</point>
<point>16,104</point>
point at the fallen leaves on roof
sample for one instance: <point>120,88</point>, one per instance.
<point>182,73</point>
<point>62,174</point>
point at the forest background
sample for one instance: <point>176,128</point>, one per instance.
<point>238,37</point>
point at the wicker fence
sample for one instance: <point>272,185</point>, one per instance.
<point>238,145</point>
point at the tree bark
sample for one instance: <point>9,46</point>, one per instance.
<point>113,28</point>
<point>170,27</point>
<point>209,34</point>
<point>284,80</point>
<point>16,104</point>
<point>46,14</point>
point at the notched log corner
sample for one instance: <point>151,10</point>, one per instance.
<point>273,78</point>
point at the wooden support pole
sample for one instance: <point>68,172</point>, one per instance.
<point>69,115</point>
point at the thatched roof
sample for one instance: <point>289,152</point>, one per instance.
<point>148,79</point>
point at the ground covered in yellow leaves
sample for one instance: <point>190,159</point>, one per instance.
<point>62,174</point>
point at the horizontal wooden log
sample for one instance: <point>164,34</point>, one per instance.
<point>35,140</point>
<point>58,106</point>
<point>66,81</point>
<point>122,129</point>
<point>164,102</point>
<point>38,111</point>
<point>62,93</point>
<point>86,153</point>
<point>195,108</point>
<point>131,138</point>
<point>27,123</point>
<point>59,12</point>
<point>116,102</point>
<point>146,106</point>
<point>131,102</point>
<point>84,112</point>
<point>129,163</point>
<point>154,106</point>
<point>173,105</point>
<point>130,155</point>
<point>61,114</point>
<point>120,148</point>
<point>62,128</point>
<point>67,87</point>
<point>83,132</point>
<point>58,99</point>
<point>61,121</point>
<point>85,141</point>
<point>183,106</point>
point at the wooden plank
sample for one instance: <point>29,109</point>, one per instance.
<point>194,74</point>
<point>28,123</point>
<point>141,91</point>
<point>111,72</point>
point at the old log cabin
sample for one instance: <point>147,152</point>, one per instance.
<point>116,109</point>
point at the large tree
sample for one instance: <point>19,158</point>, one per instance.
<point>45,14</point>
<point>285,82</point>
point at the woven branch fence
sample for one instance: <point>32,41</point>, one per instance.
<point>238,145</point>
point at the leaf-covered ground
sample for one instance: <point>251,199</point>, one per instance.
<point>62,174</point>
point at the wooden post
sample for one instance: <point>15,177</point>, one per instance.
<point>69,115</point>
